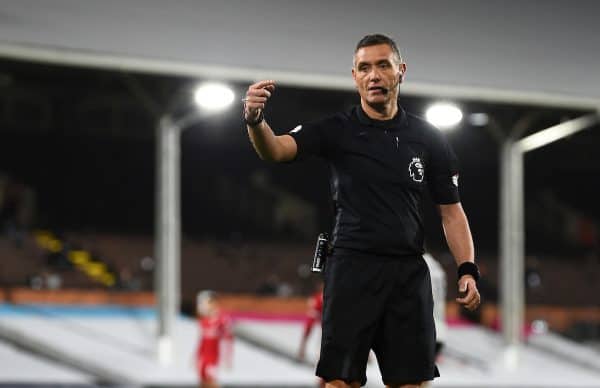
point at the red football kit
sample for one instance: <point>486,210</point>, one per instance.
<point>315,309</point>
<point>213,330</point>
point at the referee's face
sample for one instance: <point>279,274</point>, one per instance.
<point>376,73</point>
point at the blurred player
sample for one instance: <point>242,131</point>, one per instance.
<point>214,327</point>
<point>313,315</point>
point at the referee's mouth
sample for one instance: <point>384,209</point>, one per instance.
<point>377,90</point>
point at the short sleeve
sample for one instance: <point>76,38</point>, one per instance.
<point>442,174</point>
<point>314,138</point>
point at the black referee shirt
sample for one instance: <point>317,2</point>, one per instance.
<point>379,171</point>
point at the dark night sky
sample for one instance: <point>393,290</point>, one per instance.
<point>85,143</point>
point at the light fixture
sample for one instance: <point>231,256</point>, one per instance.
<point>443,115</point>
<point>479,119</point>
<point>213,96</point>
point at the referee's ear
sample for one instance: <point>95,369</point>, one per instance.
<point>401,72</point>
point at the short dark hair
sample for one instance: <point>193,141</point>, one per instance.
<point>375,39</point>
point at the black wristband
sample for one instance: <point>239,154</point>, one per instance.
<point>469,268</point>
<point>259,119</point>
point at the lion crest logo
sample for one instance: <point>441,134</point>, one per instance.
<point>416,170</point>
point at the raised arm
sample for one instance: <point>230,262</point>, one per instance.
<point>267,145</point>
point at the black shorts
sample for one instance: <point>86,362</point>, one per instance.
<point>379,303</point>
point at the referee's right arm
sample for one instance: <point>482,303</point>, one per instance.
<point>267,145</point>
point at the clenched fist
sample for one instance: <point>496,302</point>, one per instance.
<point>468,287</point>
<point>256,99</point>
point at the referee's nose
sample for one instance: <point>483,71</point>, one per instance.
<point>374,75</point>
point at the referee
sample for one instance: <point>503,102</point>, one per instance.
<point>377,286</point>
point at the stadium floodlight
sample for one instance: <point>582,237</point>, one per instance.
<point>213,96</point>
<point>444,115</point>
<point>479,119</point>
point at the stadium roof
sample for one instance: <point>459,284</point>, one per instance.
<point>543,53</point>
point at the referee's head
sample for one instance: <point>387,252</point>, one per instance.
<point>378,70</point>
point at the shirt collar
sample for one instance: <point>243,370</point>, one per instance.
<point>397,122</point>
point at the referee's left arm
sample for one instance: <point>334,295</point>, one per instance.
<point>460,242</point>
<point>458,234</point>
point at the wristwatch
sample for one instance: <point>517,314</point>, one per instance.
<point>258,120</point>
<point>469,268</point>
